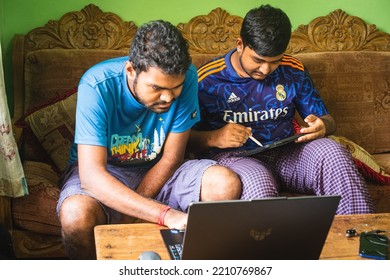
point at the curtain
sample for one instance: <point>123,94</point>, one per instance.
<point>12,180</point>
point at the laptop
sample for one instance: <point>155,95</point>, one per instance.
<point>272,145</point>
<point>282,228</point>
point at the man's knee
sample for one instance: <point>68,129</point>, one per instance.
<point>79,214</point>
<point>220,183</point>
<point>80,211</point>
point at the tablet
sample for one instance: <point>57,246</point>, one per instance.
<point>269,146</point>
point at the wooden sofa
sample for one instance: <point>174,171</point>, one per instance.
<point>348,59</point>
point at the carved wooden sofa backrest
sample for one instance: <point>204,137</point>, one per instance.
<point>338,31</point>
<point>212,35</point>
<point>90,35</point>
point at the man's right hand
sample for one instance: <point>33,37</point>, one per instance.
<point>175,219</point>
<point>231,135</point>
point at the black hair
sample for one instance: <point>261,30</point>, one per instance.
<point>266,30</point>
<point>159,44</point>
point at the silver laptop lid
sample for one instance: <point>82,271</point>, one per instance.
<point>275,228</point>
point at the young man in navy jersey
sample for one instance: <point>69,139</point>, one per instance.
<point>255,90</point>
<point>133,120</point>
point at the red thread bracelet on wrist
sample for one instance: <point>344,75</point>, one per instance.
<point>162,214</point>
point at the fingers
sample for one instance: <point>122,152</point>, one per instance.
<point>310,119</point>
<point>238,134</point>
<point>176,219</point>
<point>316,129</point>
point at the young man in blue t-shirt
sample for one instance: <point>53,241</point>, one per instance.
<point>255,91</point>
<point>133,120</point>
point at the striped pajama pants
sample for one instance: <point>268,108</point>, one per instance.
<point>319,167</point>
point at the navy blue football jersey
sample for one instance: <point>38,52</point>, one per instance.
<point>267,106</point>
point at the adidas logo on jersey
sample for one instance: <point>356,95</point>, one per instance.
<point>233,98</point>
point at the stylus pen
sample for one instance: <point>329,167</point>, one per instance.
<point>251,137</point>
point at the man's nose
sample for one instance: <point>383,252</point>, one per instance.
<point>167,96</point>
<point>265,68</point>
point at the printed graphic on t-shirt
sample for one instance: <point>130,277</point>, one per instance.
<point>128,148</point>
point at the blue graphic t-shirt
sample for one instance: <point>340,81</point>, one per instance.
<point>108,115</point>
<point>268,106</point>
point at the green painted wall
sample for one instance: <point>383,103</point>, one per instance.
<point>19,16</point>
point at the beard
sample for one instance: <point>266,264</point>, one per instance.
<point>158,107</point>
<point>256,75</point>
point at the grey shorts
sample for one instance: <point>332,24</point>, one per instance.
<point>178,192</point>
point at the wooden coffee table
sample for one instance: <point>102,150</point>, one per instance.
<point>128,241</point>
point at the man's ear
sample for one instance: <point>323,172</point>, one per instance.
<point>130,72</point>
<point>240,45</point>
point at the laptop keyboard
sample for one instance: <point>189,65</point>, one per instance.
<point>173,240</point>
<point>176,251</point>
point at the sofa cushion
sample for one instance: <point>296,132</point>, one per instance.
<point>355,87</point>
<point>366,163</point>
<point>53,125</point>
<point>383,160</point>
<point>37,211</point>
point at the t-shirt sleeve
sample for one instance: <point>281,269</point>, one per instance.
<point>308,100</point>
<point>187,113</point>
<point>91,119</point>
